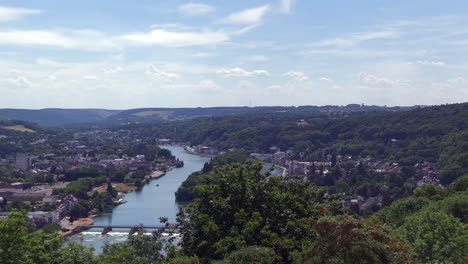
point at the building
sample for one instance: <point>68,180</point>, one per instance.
<point>22,162</point>
<point>10,187</point>
<point>40,218</point>
<point>64,208</point>
<point>23,196</point>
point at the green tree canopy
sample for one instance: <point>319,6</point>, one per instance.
<point>436,237</point>
<point>344,239</point>
<point>244,207</point>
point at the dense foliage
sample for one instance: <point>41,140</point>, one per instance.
<point>243,207</point>
<point>185,191</point>
<point>17,245</point>
<point>434,222</point>
<point>345,239</point>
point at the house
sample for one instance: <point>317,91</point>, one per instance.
<point>51,199</point>
<point>40,218</point>
<point>302,123</point>
<point>164,141</point>
<point>370,201</point>
<point>64,208</point>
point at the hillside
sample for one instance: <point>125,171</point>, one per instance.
<point>57,117</point>
<point>51,117</point>
<point>179,114</point>
<point>436,134</point>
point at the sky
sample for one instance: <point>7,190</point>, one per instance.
<point>120,54</point>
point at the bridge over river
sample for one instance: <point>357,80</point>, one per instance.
<point>132,228</point>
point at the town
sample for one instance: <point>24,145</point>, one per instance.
<point>323,171</point>
<point>39,181</point>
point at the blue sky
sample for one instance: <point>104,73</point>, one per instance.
<point>128,54</point>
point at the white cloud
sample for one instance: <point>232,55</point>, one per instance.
<point>431,63</point>
<point>297,76</point>
<point>195,9</point>
<point>153,71</point>
<point>73,39</point>
<point>48,62</point>
<point>51,78</point>
<point>239,72</point>
<point>286,6</point>
<point>208,85</point>
<point>248,16</point>
<point>354,39</point>
<point>90,77</point>
<point>172,26</point>
<point>19,82</point>
<point>325,79</point>
<point>13,13</point>
<point>258,58</point>
<point>370,80</point>
<point>450,90</point>
<point>113,70</point>
<point>162,37</point>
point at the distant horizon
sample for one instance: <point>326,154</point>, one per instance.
<point>225,106</point>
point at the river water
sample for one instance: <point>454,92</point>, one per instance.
<point>148,204</point>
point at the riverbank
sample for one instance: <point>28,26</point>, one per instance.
<point>156,174</point>
<point>159,174</point>
<point>192,151</point>
<point>284,172</point>
<point>119,187</point>
<point>70,228</point>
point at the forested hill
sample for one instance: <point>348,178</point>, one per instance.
<point>58,117</point>
<point>435,134</point>
<point>174,114</point>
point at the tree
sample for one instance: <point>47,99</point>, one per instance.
<point>395,214</point>
<point>431,191</point>
<point>73,253</point>
<point>19,246</point>
<point>436,237</point>
<point>460,185</point>
<point>344,239</point>
<point>20,205</point>
<point>250,255</point>
<point>138,249</point>
<point>241,207</point>
<point>14,240</point>
<point>112,192</point>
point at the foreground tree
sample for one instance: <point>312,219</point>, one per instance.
<point>345,239</point>
<point>240,206</point>
<point>436,237</point>
<point>17,245</point>
<point>250,255</point>
<point>137,249</point>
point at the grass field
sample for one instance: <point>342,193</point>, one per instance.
<point>19,128</point>
<point>162,114</point>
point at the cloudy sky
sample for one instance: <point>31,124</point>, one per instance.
<point>120,54</point>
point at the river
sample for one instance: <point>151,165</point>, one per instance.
<point>148,204</point>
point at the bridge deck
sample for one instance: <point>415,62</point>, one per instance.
<point>123,226</point>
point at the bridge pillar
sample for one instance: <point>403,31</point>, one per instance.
<point>106,230</point>
<point>135,229</point>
